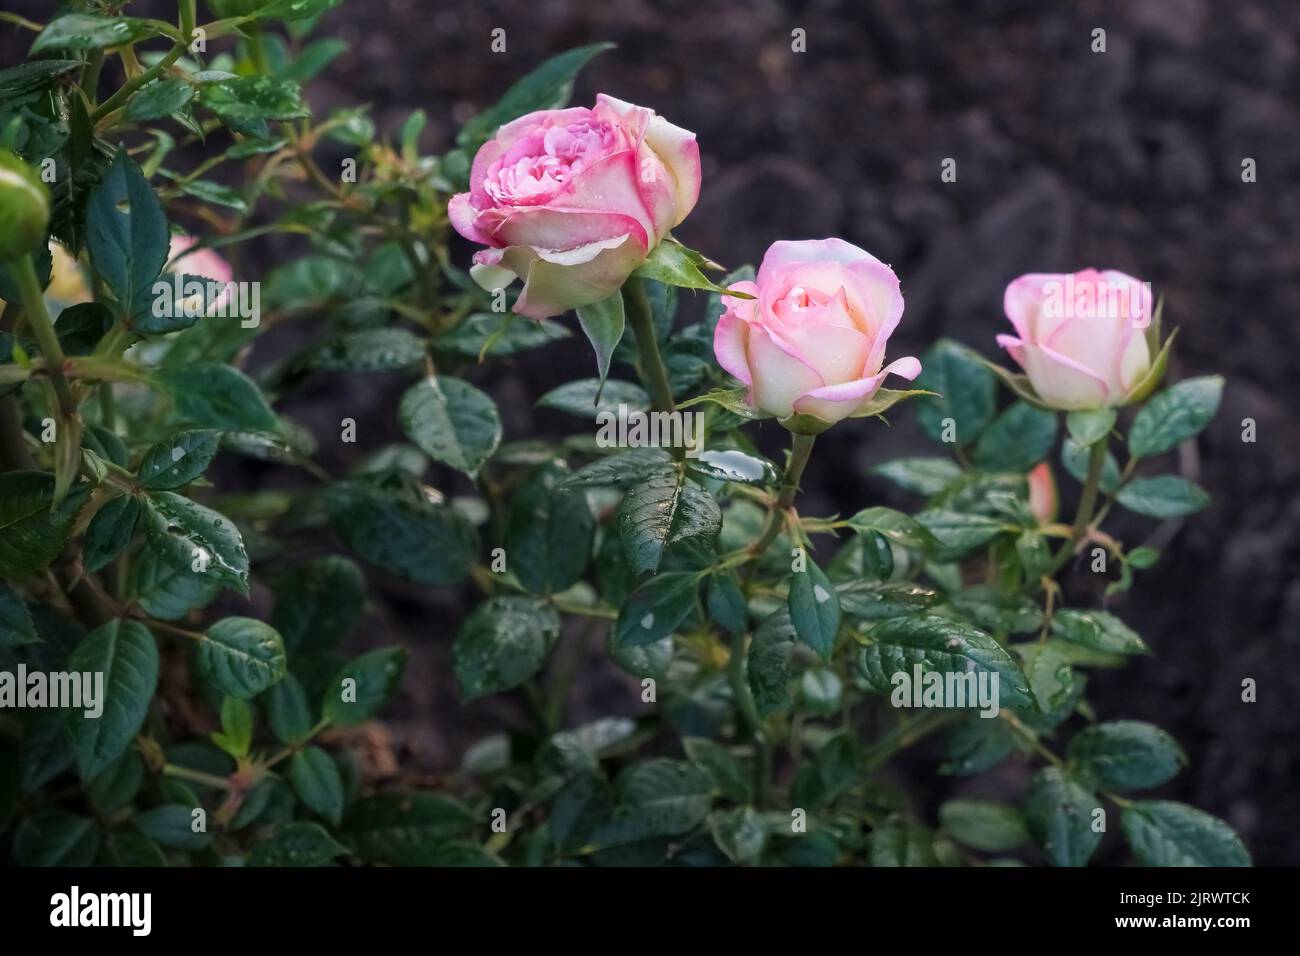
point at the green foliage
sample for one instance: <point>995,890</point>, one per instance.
<point>763,686</point>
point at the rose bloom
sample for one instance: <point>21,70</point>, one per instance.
<point>1080,338</point>
<point>812,340</point>
<point>573,200</point>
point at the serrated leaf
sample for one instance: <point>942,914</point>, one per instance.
<point>1175,415</point>
<point>1165,833</point>
<point>246,103</point>
<point>84,31</point>
<point>656,608</point>
<point>550,532</point>
<point>296,844</point>
<point>621,469</point>
<point>967,389</point>
<point>363,686</point>
<point>958,533</point>
<point>452,422</point>
<point>178,460</point>
<point>664,508</point>
<point>32,534</point>
<point>433,545</point>
<point>212,395</point>
<point>317,603</point>
<point>287,711</point>
<point>925,476</point>
<point>814,609</point>
<point>188,534</point>
<point>172,825</point>
<point>161,98</point>
<point>1126,755</point>
<point>893,525</point>
<point>316,780</point>
<point>498,334</point>
<point>406,829</point>
<point>126,235</point>
<point>734,465</point>
<point>768,662</point>
<point>240,656</point>
<point>1059,811</point>
<point>990,827</point>
<point>166,586</point>
<point>1017,439</point>
<point>899,843</point>
<point>674,264</point>
<point>1164,496</point>
<point>52,837</point>
<point>1087,428</point>
<point>941,645</point>
<point>1098,630</point>
<point>125,654</point>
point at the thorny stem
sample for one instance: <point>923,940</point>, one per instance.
<point>43,329</point>
<point>653,370</point>
<point>1087,503</point>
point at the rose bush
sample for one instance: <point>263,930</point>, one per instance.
<point>762,647</point>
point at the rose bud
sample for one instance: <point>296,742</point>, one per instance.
<point>1080,338</point>
<point>24,207</point>
<point>1043,502</point>
<point>573,200</point>
<point>202,263</point>
<point>812,340</point>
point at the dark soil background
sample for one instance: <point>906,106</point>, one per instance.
<point>1066,158</point>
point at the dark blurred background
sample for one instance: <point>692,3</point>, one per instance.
<point>1066,158</point>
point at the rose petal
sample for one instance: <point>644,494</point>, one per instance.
<point>729,346</point>
<point>780,376</point>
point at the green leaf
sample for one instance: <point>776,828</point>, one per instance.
<point>734,465</point>
<point>452,422</point>
<point>125,654</point>
<point>893,525</point>
<point>1074,457</point>
<point>658,797</point>
<point>1165,833</point>
<point>939,644</point>
<point>172,825</point>
<point>666,507</point>
<point>996,611</point>
<point>161,98</point>
<point>236,734</point>
<point>622,469</point>
<point>432,545</point>
<point>546,88</point>
<point>368,350</point>
<point>768,664</point>
<point>733,400</point>
<point>674,264</point>
<point>126,234</point>
<point>603,322</point>
<point>53,837</point>
<point>1050,676</point>
<point>814,609</point>
<point>16,627</point>
<point>363,686</point>
<point>1126,755</point>
<point>296,844</point>
<point>1059,811</point>
<point>31,533</point>
<point>1089,427</point>
<point>550,532</point>
<point>1098,630</point>
<point>318,602</point>
<point>287,711</point>
<point>726,603</point>
<point>406,829</point>
<point>967,389</point>
<point>986,826</point>
<point>580,398</point>
<point>290,10</point>
<point>117,785</point>
<point>899,843</point>
<point>240,656</point>
<point>189,534</point>
<point>317,782</point>
<point>1175,415</point>
<point>925,476</point>
<point>245,103</point>
<point>976,745</point>
<point>498,334</point>
<point>1164,496</point>
<point>740,833</point>
<point>166,586</point>
<point>178,460</point>
<point>656,609</point>
<point>82,31</point>
<point>1017,440</point>
<point>212,395</point>
<point>958,532</point>
<point>730,776</point>
<point>34,75</point>
<point>502,644</point>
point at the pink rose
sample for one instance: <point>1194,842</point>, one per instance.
<point>812,340</point>
<point>1079,337</point>
<point>572,201</point>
